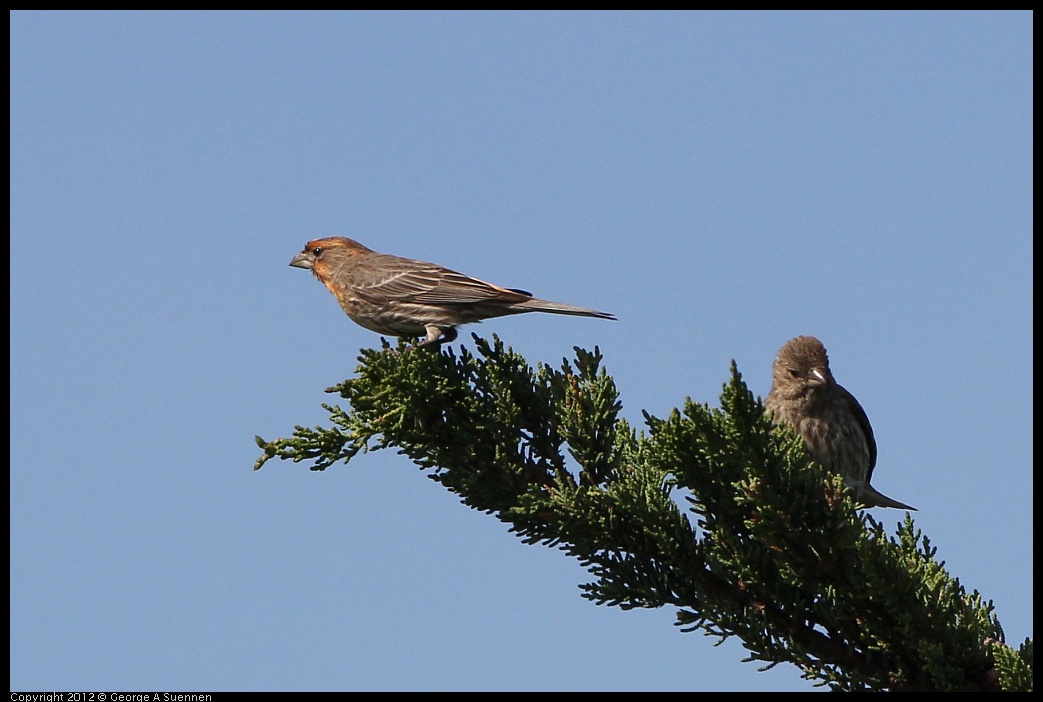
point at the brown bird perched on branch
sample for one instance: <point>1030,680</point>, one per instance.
<point>833,425</point>
<point>402,297</point>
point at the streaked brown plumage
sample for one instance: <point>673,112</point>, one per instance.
<point>402,297</point>
<point>833,425</point>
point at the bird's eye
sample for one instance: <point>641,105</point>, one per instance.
<point>317,251</point>
<point>794,372</point>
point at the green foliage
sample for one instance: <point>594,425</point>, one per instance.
<point>1013,668</point>
<point>769,548</point>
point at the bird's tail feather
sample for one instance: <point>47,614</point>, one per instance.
<point>872,498</point>
<point>537,305</point>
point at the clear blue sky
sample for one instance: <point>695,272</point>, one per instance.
<point>720,181</point>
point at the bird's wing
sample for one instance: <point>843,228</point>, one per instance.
<point>403,279</point>
<point>867,429</point>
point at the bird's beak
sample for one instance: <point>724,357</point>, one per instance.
<point>815,378</point>
<point>303,260</point>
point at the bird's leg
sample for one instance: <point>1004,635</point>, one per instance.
<point>438,336</point>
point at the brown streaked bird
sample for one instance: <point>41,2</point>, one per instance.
<point>402,297</point>
<point>833,425</point>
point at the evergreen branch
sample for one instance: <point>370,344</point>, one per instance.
<point>770,548</point>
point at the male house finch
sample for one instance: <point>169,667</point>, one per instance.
<point>402,297</point>
<point>833,425</point>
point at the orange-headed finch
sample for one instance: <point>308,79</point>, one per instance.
<point>402,297</point>
<point>833,425</point>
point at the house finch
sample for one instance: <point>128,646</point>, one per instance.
<point>833,425</point>
<point>402,297</point>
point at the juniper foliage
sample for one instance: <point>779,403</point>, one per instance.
<point>712,512</point>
